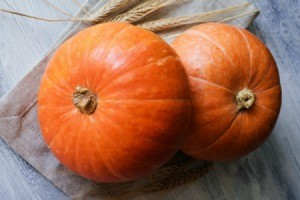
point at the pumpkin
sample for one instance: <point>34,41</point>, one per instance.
<point>114,103</point>
<point>235,91</point>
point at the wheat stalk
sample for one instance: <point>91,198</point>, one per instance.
<point>173,22</point>
<point>240,15</point>
<point>175,180</point>
<point>37,18</point>
<point>172,35</point>
<point>113,7</point>
<point>143,10</point>
<point>166,172</point>
<point>177,164</point>
<point>182,177</point>
<point>110,9</point>
<point>60,10</point>
<point>81,7</point>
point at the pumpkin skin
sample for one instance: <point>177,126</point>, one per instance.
<point>221,61</point>
<point>143,103</point>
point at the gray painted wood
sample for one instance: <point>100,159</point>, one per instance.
<point>271,172</point>
<point>23,42</point>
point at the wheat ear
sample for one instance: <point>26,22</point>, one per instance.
<point>143,10</point>
<point>182,177</point>
<point>110,9</point>
<point>174,179</point>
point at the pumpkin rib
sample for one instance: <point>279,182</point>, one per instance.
<point>210,153</point>
<point>260,81</point>
<point>117,149</point>
<point>71,64</point>
<point>133,71</point>
<point>83,71</point>
<point>101,157</point>
<point>130,51</point>
<point>58,132</point>
<point>222,107</point>
<point>145,138</point>
<point>97,136</point>
<point>76,152</point>
<point>107,48</point>
<point>70,113</point>
<point>54,86</point>
<point>220,138</point>
<point>213,110</point>
<point>51,107</point>
<point>266,108</point>
<point>237,136</point>
<point>94,169</point>
<point>56,120</point>
<point>211,40</point>
<point>57,85</point>
<point>78,143</point>
<point>145,119</point>
<point>211,83</point>
<point>270,88</point>
<point>241,122</point>
<point>139,100</point>
<point>225,131</point>
<point>249,52</point>
<point>200,130</point>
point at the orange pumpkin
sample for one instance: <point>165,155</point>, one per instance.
<point>113,103</point>
<point>235,91</point>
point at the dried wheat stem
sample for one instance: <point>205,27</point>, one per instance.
<point>111,8</point>
<point>172,35</point>
<point>177,165</point>
<point>179,179</point>
<point>240,15</point>
<point>166,172</point>
<point>82,8</point>
<point>173,22</point>
<point>143,10</point>
<point>38,18</point>
<point>172,181</point>
<point>59,10</point>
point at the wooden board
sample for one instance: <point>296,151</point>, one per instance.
<point>271,172</point>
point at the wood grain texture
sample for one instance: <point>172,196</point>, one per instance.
<point>23,42</point>
<point>271,172</point>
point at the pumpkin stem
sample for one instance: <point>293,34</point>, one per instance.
<point>245,99</point>
<point>84,100</point>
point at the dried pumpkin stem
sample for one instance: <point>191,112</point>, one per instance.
<point>84,100</point>
<point>245,99</point>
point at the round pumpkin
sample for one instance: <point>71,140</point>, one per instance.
<point>114,103</point>
<point>235,91</point>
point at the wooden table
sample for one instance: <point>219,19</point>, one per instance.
<point>271,172</point>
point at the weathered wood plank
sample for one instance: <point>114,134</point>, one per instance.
<point>279,27</point>
<point>22,43</point>
<point>271,172</point>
